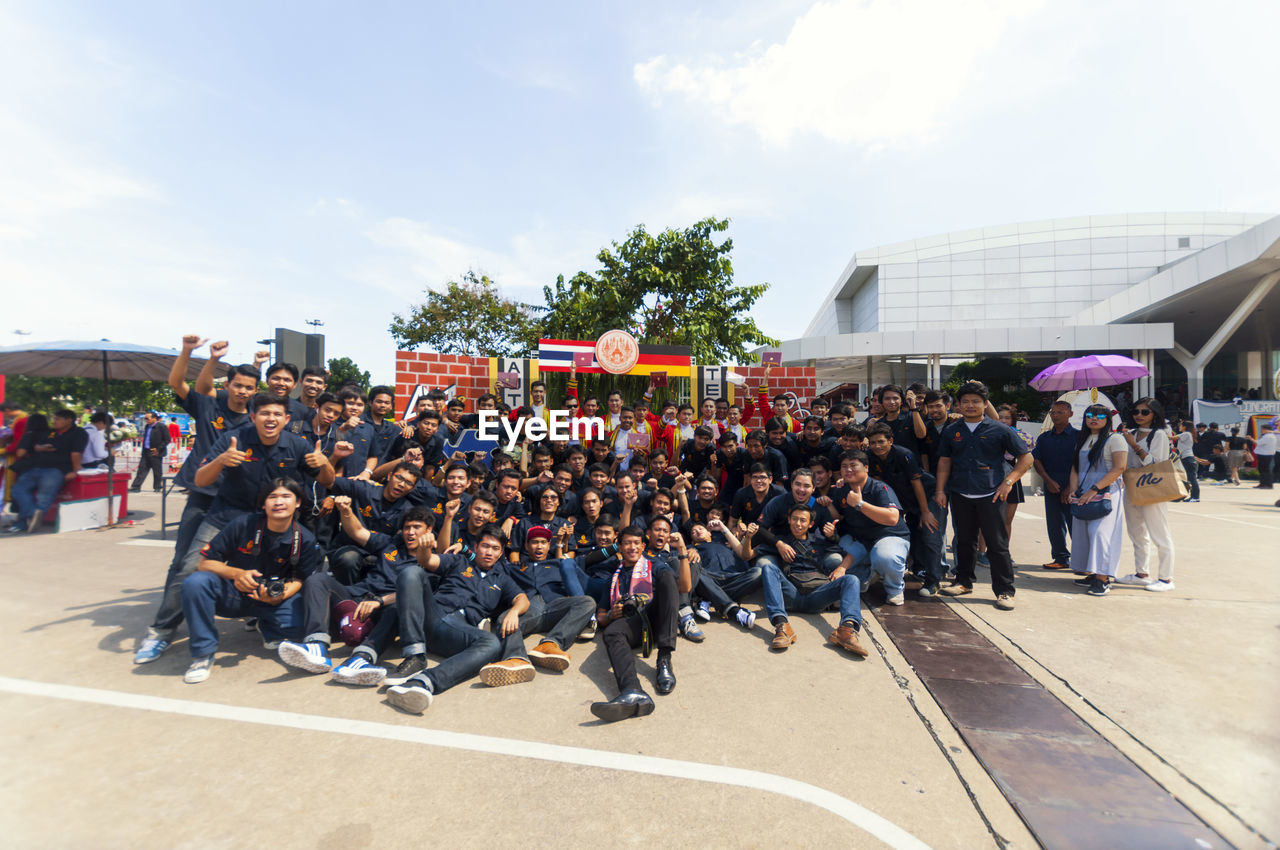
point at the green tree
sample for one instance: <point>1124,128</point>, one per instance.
<point>470,317</point>
<point>342,371</point>
<point>1006,378</point>
<point>675,288</point>
<point>45,395</point>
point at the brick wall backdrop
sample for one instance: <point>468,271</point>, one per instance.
<point>471,374</point>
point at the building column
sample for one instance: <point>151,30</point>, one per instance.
<point>1196,363</point>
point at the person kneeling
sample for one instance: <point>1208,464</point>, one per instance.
<point>642,599</point>
<point>474,586</point>
<point>805,584</point>
<point>253,568</point>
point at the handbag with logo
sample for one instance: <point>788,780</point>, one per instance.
<point>1165,481</point>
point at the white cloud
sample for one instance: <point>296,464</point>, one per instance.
<point>872,73</point>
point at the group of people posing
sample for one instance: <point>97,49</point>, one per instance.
<point>322,519</point>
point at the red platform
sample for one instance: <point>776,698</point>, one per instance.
<point>92,487</point>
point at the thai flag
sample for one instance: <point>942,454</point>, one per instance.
<point>556,355</point>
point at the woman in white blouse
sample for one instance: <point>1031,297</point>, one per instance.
<point>1148,525</point>
<point>1095,474</point>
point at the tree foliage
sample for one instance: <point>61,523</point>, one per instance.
<point>675,288</point>
<point>342,371</point>
<point>469,317</point>
<point>45,395</point>
<point>1005,377</point>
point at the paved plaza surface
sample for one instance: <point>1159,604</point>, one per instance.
<point>753,749</point>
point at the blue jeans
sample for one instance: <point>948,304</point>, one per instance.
<point>464,648</point>
<point>739,582</point>
<point>35,491</point>
<point>205,594</point>
<point>186,563</point>
<point>780,595</point>
<point>1057,518</point>
<point>560,620</point>
<point>1192,469</point>
<point>887,556</point>
<point>927,546</point>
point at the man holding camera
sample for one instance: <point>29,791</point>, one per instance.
<point>254,567</point>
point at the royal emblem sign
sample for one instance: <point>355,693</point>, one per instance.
<point>617,352</point>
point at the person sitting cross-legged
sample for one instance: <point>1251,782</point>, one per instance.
<point>807,584</point>
<point>474,586</point>
<point>375,595</point>
<point>254,567</point>
<point>638,608</point>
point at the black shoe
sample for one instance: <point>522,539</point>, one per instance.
<point>1087,581</point>
<point>1099,587</point>
<point>624,705</point>
<point>666,678</point>
<point>410,667</point>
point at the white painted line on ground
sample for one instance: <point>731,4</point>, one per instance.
<point>165,544</point>
<point>868,821</point>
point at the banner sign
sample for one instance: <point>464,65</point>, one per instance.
<point>557,355</point>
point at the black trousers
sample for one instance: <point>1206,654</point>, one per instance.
<point>621,635</point>
<point>1266,470</point>
<point>969,516</point>
<point>153,463</point>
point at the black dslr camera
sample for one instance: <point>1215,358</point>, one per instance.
<point>634,603</point>
<point>272,585</point>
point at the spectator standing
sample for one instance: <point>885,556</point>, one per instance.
<point>155,442</point>
<point>1265,451</point>
<point>1054,453</point>
<point>1148,525</point>
<point>1187,454</point>
<point>1101,457</point>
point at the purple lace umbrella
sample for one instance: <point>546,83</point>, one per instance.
<point>1082,373</point>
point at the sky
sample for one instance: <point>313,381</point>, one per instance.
<point>228,168</point>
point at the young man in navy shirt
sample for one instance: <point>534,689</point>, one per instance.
<point>255,566</point>
<point>638,607</point>
<point>375,594</point>
<point>474,586</point>
<point>970,463</point>
<point>381,510</point>
<point>558,608</point>
<point>212,416</point>
<point>1054,456</point>
<point>900,469</point>
<point>238,465</point>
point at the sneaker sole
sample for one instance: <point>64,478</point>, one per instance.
<point>364,677</point>
<point>497,677</point>
<point>547,661</point>
<point>413,700</point>
<point>301,659</point>
<point>611,713</point>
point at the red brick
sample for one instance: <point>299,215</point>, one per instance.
<point>428,356</point>
<point>456,369</point>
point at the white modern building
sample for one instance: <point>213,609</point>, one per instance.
<point>1192,295</point>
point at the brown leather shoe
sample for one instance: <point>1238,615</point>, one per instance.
<point>1056,565</point>
<point>957,590</point>
<point>783,637</point>
<point>549,656</point>
<point>846,637</point>
<point>511,671</point>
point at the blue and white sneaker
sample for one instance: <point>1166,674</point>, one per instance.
<point>151,649</point>
<point>312,656</point>
<point>359,670</point>
<point>689,628</point>
<point>703,611</point>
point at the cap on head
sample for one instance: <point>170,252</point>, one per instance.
<point>538,532</point>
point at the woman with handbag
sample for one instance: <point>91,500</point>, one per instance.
<point>1096,497</point>
<point>1148,524</point>
<point>1237,451</point>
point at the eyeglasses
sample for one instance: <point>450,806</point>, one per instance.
<point>1142,412</point>
<point>1095,416</point>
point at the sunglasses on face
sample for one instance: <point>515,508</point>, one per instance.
<point>1095,416</point>
<point>1142,412</point>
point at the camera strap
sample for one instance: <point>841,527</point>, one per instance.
<point>295,545</point>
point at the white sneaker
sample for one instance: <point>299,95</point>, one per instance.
<point>312,656</point>
<point>1160,586</point>
<point>896,599</point>
<point>199,670</point>
<point>413,697</point>
<point>1134,578</point>
<point>359,670</point>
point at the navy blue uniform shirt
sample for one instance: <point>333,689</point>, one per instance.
<point>211,418</point>
<point>234,546</point>
<point>477,595</point>
<point>977,456</point>
<point>862,527</point>
<point>392,558</point>
<point>237,489</point>
<point>1056,453</point>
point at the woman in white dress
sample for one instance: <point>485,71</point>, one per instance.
<point>1148,525</point>
<point>1099,464</point>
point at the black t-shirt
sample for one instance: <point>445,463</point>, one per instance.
<point>898,469</point>
<point>904,431</point>
<point>860,526</point>
<point>52,450</point>
<point>747,507</point>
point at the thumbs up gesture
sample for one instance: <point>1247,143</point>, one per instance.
<point>316,459</point>
<point>232,457</point>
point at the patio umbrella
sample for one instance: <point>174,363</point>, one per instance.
<point>1082,373</point>
<point>74,359</point>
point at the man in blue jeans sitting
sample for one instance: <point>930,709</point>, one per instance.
<point>817,569</point>
<point>254,567</point>
<point>474,586</point>
<point>876,537</point>
<point>55,460</point>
